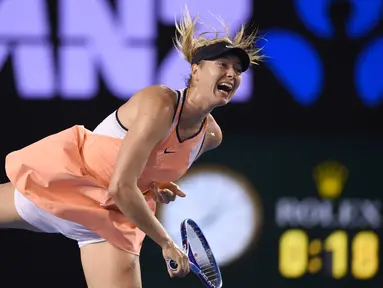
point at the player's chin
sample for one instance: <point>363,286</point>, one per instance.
<point>222,97</point>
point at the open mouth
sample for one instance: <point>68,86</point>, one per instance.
<point>225,88</point>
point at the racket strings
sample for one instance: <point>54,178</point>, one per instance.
<point>201,256</point>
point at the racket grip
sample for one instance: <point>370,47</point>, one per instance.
<point>172,265</point>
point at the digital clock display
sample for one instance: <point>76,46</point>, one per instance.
<point>337,255</point>
<point>331,235</point>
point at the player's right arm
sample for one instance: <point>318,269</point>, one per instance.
<point>150,125</point>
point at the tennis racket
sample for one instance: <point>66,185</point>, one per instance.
<point>201,258</point>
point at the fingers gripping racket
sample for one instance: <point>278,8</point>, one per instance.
<point>201,258</point>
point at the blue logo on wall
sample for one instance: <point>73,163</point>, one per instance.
<point>298,66</point>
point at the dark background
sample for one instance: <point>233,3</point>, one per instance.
<point>272,140</point>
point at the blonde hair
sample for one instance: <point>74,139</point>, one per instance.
<point>187,43</point>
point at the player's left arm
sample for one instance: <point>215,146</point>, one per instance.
<point>213,137</point>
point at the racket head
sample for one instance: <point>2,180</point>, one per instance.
<point>200,254</point>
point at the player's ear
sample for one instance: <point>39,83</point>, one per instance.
<point>195,72</point>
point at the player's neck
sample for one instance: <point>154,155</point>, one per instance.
<point>195,110</point>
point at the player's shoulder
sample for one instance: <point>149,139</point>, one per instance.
<point>158,95</point>
<point>214,132</point>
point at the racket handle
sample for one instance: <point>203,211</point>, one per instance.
<point>172,265</point>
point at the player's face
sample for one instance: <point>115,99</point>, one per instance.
<point>219,78</point>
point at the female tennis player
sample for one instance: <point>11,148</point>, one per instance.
<point>100,187</point>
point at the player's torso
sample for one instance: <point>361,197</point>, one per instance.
<point>169,160</point>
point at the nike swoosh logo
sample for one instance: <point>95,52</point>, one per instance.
<point>168,152</point>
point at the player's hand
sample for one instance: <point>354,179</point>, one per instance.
<point>165,193</point>
<point>172,252</point>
